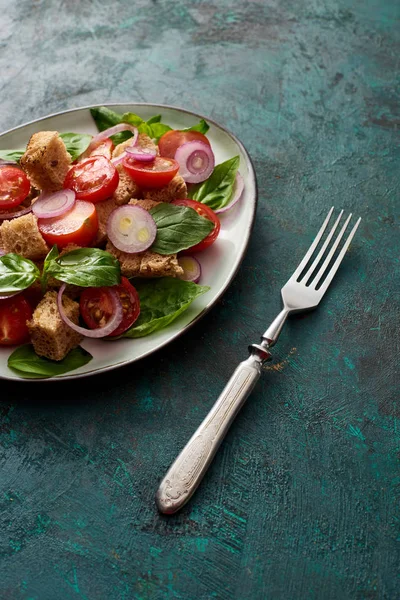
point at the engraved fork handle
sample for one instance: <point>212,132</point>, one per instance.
<point>185,474</point>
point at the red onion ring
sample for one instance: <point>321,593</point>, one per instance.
<point>131,228</point>
<point>196,161</point>
<point>100,331</point>
<point>19,213</point>
<point>53,205</point>
<point>191,268</point>
<point>141,154</point>
<point>112,131</point>
<point>237,192</point>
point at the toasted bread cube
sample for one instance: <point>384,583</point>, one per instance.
<point>50,336</point>
<point>46,161</point>
<point>104,210</point>
<point>146,264</point>
<point>173,191</point>
<point>146,204</point>
<point>22,236</point>
<point>126,189</point>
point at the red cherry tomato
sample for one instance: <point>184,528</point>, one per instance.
<point>77,226</point>
<point>154,174</point>
<point>14,186</point>
<point>14,313</point>
<point>93,179</point>
<point>204,211</point>
<point>170,141</point>
<point>103,148</point>
<point>96,306</point>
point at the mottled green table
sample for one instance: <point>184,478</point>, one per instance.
<point>302,501</point>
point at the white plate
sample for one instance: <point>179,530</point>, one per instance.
<point>219,263</point>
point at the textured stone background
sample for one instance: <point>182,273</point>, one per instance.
<point>302,501</point>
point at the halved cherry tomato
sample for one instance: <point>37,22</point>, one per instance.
<point>96,306</point>
<point>94,179</point>
<point>170,141</point>
<point>103,148</point>
<point>154,174</point>
<point>77,226</point>
<point>204,211</point>
<point>14,313</point>
<point>14,186</point>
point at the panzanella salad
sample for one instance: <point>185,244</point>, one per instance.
<point>101,236</point>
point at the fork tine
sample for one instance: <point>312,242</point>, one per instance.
<point>331,253</point>
<point>313,246</point>
<point>339,259</point>
<point>322,251</point>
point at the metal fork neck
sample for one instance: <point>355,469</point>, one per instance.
<point>272,334</point>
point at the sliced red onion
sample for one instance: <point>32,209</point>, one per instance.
<point>196,161</point>
<point>113,130</point>
<point>237,192</point>
<point>53,205</point>
<point>100,332</point>
<point>141,154</point>
<point>191,268</point>
<point>18,213</point>
<point>2,252</point>
<point>131,228</point>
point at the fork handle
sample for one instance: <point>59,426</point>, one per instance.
<point>186,473</point>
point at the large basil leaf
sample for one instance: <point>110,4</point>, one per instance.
<point>27,364</point>
<point>13,155</point>
<point>16,273</point>
<point>86,267</point>
<point>202,127</point>
<point>161,302</point>
<point>76,143</point>
<point>217,190</point>
<point>178,228</point>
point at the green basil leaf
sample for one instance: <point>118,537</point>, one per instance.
<point>53,254</point>
<point>14,155</point>
<point>202,127</point>
<point>216,191</point>
<point>161,302</point>
<point>27,364</point>
<point>76,143</point>
<point>178,228</point>
<point>86,267</point>
<point>132,119</point>
<point>157,130</point>
<point>155,119</point>
<point>105,117</point>
<point>16,273</point>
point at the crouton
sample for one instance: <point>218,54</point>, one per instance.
<point>103,209</point>
<point>173,191</point>
<point>50,336</point>
<point>146,204</point>
<point>22,236</point>
<point>46,161</point>
<point>126,189</point>
<point>146,264</point>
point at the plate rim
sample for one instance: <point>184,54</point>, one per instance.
<point>207,308</point>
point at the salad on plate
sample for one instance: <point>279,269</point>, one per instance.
<point>101,236</point>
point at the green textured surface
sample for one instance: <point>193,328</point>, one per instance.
<point>302,500</point>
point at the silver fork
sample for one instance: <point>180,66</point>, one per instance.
<point>302,292</point>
